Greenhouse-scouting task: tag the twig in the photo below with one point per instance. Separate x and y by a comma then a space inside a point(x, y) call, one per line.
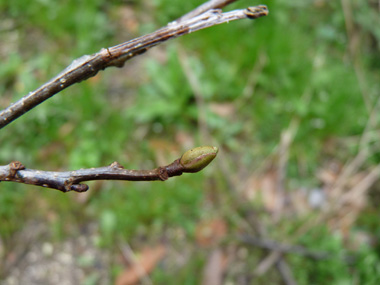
point(354, 51)
point(355, 164)
point(267, 263)
point(131, 257)
point(193, 160)
point(89, 65)
point(252, 81)
point(287, 137)
point(285, 248)
point(361, 187)
point(195, 86)
point(278, 249)
point(285, 272)
point(21, 244)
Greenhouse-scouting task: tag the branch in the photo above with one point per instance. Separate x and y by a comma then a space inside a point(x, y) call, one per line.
point(281, 248)
point(285, 248)
point(191, 161)
point(89, 65)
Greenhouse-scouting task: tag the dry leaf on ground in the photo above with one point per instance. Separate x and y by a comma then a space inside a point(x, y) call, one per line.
point(143, 266)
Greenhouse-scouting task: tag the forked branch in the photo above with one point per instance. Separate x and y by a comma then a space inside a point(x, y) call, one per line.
point(89, 65)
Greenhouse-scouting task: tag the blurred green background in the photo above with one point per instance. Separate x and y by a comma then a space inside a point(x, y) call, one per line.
point(291, 100)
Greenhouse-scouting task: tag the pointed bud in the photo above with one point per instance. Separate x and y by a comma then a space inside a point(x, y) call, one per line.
point(198, 158)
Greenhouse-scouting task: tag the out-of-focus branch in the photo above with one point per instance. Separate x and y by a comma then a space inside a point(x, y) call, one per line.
point(284, 248)
point(89, 65)
point(278, 249)
point(191, 161)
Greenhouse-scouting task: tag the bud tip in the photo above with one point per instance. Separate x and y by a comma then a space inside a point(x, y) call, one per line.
point(198, 158)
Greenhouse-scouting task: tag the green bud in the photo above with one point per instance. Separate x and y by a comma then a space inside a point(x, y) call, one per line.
point(198, 158)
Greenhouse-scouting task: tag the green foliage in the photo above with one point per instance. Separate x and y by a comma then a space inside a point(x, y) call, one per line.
point(333, 270)
point(367, 267)
point(165, 99)
point(184, 276)
point(127, 209)
point(341, 267)
point(12, 209)
point(82, 23)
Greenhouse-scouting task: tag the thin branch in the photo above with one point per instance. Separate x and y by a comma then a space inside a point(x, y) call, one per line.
point(89, 65)
point(195, 86)
point(278, 249)
point(285, 248)
point(191, 161)
point(286, 272)
point(270, 260)
point(209, 5)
